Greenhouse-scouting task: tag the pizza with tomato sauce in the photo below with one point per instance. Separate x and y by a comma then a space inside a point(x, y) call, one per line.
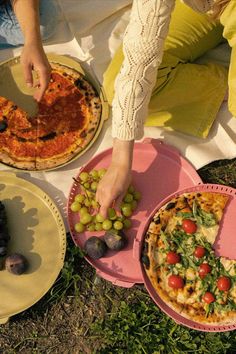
point(67, 120)
point(180, 261)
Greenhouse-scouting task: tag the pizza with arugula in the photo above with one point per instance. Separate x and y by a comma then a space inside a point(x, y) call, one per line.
point(180, 261)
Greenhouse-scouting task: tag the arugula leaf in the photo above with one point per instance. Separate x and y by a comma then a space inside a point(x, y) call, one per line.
point(185, 215)
point(203, 218)
point(209, 309)
point(164, 239)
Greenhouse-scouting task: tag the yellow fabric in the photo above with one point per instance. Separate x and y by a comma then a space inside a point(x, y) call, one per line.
point(228, 19)
point(186, 96)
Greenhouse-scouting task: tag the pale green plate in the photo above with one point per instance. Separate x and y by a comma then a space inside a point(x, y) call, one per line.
point(37, 231)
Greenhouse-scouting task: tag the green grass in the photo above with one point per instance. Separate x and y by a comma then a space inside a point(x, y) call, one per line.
point(140, 327)
point(69, 276)
point(220, 172)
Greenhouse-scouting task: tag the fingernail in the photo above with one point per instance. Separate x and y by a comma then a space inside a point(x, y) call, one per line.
point(29, 84)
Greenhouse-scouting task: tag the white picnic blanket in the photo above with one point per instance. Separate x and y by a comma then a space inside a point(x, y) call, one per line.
point(91, 30)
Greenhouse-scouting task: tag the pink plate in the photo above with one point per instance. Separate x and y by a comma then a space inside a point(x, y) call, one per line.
point(158, 170)
point(225, 245)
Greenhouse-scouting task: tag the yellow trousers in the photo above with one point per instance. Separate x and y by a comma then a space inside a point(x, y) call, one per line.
point(187, 95)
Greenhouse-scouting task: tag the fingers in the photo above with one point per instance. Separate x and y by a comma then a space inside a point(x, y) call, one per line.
point(119, 200)
point(42, 84)
point(112, 187)
point(34, 59)
point(27, 70)
point(105, 200)
point(108, 202)
point(104, 210)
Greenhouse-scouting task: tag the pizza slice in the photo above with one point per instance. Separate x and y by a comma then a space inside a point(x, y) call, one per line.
point(180, 261)
point(17, 136)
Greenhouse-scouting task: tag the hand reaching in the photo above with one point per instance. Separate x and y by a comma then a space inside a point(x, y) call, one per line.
point(113, 187)
point(34, 58)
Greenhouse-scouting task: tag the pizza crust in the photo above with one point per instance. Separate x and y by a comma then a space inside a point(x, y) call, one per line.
point(8, 160)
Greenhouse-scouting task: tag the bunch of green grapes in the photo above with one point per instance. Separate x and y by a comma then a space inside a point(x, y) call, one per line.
point(87, 207)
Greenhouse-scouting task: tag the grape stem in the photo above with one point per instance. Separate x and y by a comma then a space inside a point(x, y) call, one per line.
point(82, 185)
point(84, 189)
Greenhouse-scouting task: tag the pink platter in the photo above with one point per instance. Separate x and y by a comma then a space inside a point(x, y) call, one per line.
point(158, 171)
point(225, 246)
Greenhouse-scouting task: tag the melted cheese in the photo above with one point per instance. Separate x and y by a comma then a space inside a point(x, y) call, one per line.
point(173, 221)
point(228, 265)
point(209, 233)
point(190, 274)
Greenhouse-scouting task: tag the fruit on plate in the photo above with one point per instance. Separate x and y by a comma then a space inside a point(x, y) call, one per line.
point(16, 263)
point(95, 247)
point(116, 241)
point(87, 208)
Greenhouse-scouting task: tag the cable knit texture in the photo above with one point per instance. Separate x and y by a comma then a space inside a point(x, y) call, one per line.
point(143, 49)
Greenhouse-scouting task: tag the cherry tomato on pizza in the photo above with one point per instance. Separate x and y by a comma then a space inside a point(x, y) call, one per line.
point(175, 281)
point(189, 226)
point(208, 297)
point(223, 283)
point(199, 252)
point(204, 269)
point(172, 257)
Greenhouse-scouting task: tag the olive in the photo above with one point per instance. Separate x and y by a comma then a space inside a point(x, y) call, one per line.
point(3, 251)
point(115, 240)
point(3, 126)
point(16, 264)
point(95, 247)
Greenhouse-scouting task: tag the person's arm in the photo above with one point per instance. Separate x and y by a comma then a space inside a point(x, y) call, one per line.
point(33, 56)
point(143, 49)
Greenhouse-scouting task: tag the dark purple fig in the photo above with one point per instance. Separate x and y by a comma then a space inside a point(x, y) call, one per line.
point(1, 263)
point(4, 236)
point(3, 242)
point(115, 240)
point(16, 264)
point(3, 251)
point(95, 247)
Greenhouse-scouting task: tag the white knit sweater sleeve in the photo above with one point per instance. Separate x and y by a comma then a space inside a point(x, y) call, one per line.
point(143, 49)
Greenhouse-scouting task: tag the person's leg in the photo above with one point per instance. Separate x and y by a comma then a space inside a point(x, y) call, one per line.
point(8, 25)
point(187, 96)
point(180, 86)
point(190, 99)
point(191, 34)
point(10, 32)
point(49, 16)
